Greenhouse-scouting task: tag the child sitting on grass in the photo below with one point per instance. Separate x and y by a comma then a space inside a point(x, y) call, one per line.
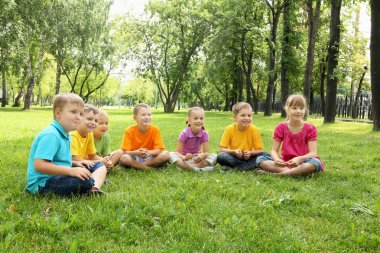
point(142, 142)
point(82, 146)
point(298, 142)
point(188, 155)
point(241, 142)
point(102, 139)
point(50, 165)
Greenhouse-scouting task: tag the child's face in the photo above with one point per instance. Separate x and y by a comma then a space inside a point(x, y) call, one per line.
point(143, 117)
point(102, 127)
point(296, 112)
point(69, 116)
point(243, 118)
point(196, 120)
point(88, 122)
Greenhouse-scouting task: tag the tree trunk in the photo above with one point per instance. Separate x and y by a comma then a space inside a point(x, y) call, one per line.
point(272, 59)
point(355, 105)
point(313, 20)
point(58, 78)
point(4, 88)
point(332, 62)
point(285, 56)
point(322, 86)
point(375, 63)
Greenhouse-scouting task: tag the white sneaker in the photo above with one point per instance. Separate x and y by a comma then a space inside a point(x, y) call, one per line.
point(207, 168)
point(196, 169)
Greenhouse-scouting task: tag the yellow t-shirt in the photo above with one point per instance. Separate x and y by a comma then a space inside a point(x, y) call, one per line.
point(134, 139)
point(82, 146)
point(249, 139)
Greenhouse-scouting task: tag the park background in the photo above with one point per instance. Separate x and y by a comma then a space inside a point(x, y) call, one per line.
point(173, 55)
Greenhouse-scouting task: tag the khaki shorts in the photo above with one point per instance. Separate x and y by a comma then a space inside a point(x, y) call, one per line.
point(174, 157)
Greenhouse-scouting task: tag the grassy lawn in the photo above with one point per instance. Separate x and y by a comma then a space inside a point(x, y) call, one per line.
point(170, 210)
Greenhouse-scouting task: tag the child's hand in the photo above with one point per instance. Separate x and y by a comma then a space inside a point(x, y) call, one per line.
point(86, 163)
point(246, 154)
point(143, 152)
point(238, 153)
point(199, 157)
point(107, 162)
point(294, 162)
point(188, 156)
point(280, 163)
point(80, 172)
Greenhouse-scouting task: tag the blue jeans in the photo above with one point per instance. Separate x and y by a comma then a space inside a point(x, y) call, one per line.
point(68, 186)
point(229, 160)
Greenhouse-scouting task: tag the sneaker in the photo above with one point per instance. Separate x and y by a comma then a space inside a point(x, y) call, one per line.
point(207, 168)
point(196, 169)
point(95, 191)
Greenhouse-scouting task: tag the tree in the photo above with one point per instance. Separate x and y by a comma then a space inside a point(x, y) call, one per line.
point(313, 23)
point(332, 62)
point(375, 63)
point(275, 8)
point(171, 37)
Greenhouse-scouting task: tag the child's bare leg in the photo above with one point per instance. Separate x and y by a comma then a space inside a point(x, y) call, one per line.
point(271, 166)
point(115, 157)
point(160, 159)
point(301, 170)
point(128, 161)
point(183, 165)
point(99, 176)
point(202, 164)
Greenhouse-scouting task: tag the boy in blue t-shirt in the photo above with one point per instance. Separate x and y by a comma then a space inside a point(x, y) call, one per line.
point(50, 162)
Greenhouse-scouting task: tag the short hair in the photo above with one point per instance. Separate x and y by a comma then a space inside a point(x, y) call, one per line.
point(102, 112)
point(295, 100)
point(137, 108)
point(239, 106)
point(90, 108)
point(62, 99)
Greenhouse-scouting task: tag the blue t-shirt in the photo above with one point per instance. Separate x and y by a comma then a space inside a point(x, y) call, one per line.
point(51, 144)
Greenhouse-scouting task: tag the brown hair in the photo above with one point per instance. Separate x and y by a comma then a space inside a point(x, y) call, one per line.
point(195, 108)
point(296, 100)
point(62, 99)
point(90, 108)
point(241, 105)
point(137, 108)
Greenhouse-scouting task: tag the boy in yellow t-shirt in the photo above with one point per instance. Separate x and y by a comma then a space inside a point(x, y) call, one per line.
point(241, 142)
point(142, 142)
point(83, 148)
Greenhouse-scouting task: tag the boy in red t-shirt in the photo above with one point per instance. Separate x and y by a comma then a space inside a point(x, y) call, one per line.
point(142, 143)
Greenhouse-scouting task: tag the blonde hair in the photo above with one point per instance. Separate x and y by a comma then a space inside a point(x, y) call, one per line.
point(239, 106)
point(102, 112)
point(296, 100)
point(137, 108)
point(62, 99)
point(195, 108)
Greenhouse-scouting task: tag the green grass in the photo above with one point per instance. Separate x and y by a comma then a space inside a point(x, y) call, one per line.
point(170, 210)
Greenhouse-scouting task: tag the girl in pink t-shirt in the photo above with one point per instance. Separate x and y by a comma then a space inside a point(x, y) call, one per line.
point(192, 139)
point(298, 142)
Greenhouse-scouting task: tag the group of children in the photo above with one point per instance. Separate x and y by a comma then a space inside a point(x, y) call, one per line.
point(73, 155)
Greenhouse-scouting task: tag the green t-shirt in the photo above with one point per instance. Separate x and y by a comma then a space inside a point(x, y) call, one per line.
point(103, 146)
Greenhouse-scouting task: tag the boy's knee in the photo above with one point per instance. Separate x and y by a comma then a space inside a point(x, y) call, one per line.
point(222, 156)
point(165, 155)
point(125, 159)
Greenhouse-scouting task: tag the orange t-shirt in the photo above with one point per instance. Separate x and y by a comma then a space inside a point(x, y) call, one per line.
point(134, 139)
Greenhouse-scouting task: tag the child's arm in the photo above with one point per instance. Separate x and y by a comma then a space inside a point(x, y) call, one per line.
point(179, 152)
point(46, 167)
point(203, 155)
point(274, 153)
point(236, 152)
point(312, 145)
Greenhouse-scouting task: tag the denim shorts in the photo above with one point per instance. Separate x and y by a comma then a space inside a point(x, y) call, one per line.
point(96, 166)
point(316, 162)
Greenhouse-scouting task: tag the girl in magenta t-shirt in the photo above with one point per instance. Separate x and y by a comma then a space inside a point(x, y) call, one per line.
point(298, 142)
point(192, 139)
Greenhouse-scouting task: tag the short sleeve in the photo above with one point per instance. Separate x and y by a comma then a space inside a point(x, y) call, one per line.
point(107, 145)
point(182, 137)
point(278, 134)
point(47, 148)
point(205, 136)
point(126, 143)
point(312, 133)
point(91, 145)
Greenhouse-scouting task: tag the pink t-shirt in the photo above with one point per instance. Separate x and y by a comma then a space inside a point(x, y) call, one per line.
point(294, 145)
point(192, 143)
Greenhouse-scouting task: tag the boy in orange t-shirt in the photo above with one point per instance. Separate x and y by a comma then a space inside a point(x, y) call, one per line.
point(142, 143)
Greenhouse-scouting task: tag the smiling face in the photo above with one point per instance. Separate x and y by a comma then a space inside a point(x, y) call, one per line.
point(87, 123)
point(196, 120)
point(243, 118)
point(143, 117)
point(69, 116)
point(296, 112)
point(102, 127)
